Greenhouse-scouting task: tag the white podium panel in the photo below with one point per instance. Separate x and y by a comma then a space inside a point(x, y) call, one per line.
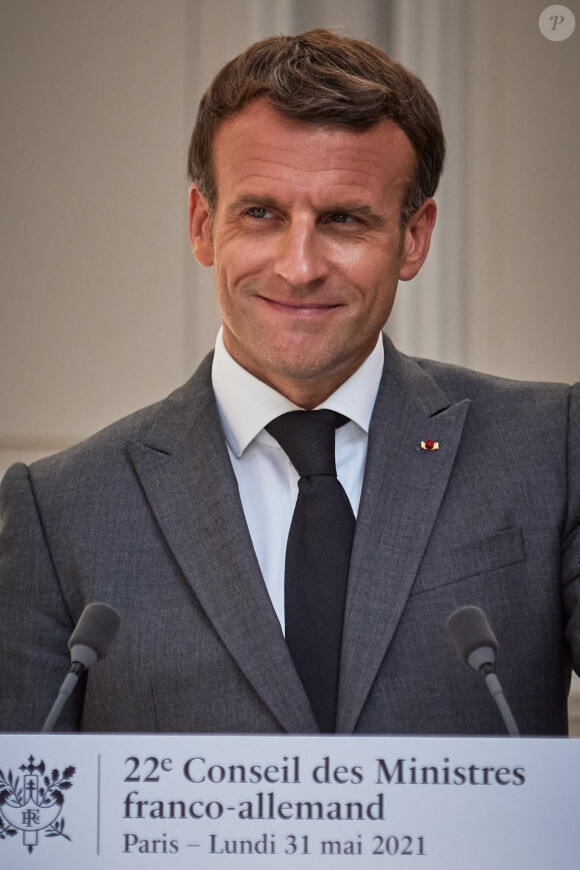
point(133, 802)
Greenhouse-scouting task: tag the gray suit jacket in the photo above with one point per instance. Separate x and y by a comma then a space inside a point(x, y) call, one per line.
point(146, 516)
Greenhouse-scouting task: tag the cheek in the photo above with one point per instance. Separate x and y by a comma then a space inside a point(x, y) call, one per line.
point(379, 287)
point(240, 261)
point(374, 276)
point(367, 264)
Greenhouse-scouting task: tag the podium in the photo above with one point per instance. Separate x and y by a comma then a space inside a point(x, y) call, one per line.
point(207, 802)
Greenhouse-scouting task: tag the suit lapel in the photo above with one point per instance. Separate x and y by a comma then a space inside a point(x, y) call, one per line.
point(402, 491)
point(184, 468)
point(187, 477)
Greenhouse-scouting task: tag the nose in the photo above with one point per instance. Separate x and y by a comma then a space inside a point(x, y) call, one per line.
point(300, 258)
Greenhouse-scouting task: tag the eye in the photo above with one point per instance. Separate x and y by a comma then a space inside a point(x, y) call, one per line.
point(259, 213)
point(341, 217)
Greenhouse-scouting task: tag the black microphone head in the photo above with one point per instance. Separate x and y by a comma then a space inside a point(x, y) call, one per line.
point(97, 628)
point(469, 630)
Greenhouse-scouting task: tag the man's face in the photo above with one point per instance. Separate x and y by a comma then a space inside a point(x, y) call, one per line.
point(306, 244)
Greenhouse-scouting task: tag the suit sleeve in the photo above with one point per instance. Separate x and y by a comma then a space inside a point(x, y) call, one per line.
point(571, 541)
point(35, 622)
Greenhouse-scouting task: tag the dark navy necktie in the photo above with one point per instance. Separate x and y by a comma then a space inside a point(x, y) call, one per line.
point(317, 556)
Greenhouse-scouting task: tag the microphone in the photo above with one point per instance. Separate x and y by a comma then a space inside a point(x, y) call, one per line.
point(90, 641)
point(477, 646)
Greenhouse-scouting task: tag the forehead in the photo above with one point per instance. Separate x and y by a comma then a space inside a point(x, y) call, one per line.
point(259, 147)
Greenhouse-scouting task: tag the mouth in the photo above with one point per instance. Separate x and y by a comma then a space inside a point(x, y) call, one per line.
point(301, 307)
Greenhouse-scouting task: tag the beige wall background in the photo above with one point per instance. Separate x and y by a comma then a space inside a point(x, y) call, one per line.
point(102, 309)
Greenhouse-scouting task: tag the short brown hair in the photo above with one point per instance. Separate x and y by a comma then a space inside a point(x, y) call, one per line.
point(325, 78)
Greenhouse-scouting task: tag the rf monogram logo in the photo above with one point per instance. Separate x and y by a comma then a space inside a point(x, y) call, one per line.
point(32, 803)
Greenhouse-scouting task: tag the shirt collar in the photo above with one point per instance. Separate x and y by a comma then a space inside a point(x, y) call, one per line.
point(246, 404)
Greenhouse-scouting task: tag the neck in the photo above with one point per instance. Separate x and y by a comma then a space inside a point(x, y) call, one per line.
point(305, 391)
point(307, 396)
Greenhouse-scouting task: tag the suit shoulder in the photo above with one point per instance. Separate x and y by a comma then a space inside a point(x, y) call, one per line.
point(462, 383)
point(521, 408)
point(164, 421)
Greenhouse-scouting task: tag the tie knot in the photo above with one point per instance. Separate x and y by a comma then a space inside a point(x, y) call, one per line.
point(307, 437)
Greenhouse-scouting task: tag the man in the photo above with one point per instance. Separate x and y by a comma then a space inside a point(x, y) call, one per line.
point(314, 162)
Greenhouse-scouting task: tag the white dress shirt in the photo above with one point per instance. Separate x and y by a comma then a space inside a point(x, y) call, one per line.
point(267, 480)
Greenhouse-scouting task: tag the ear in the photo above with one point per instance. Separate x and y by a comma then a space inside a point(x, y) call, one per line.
point(200, 227)
point(417, 239)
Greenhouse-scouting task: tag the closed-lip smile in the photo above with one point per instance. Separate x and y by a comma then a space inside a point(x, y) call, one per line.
point(300, 305)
